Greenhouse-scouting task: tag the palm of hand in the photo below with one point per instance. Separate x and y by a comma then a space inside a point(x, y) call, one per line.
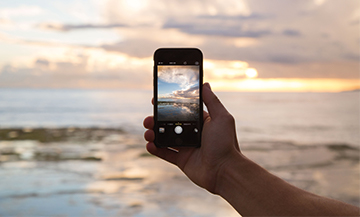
point(202, 165)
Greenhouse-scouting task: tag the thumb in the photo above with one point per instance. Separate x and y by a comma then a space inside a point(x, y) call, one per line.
point(212, 102)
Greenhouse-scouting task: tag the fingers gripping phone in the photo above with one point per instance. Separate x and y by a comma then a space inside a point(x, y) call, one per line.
point(178, 107)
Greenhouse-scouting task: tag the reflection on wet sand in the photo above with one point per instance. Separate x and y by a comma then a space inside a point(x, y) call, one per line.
point(114, 175)
point(59, 178)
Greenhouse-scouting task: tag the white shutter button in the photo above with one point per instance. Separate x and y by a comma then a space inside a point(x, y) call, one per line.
point(178, 129)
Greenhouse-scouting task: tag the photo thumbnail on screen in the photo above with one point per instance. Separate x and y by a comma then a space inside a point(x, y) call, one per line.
point(178, 93)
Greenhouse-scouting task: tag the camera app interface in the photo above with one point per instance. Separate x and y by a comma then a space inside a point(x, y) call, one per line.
point(178, 106)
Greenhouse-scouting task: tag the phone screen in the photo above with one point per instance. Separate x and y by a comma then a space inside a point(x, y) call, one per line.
point(178, 103)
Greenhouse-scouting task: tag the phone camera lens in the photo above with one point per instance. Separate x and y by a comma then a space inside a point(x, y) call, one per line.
point(196, 63)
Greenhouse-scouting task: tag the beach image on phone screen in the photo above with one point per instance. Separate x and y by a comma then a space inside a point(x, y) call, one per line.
point(178, 93)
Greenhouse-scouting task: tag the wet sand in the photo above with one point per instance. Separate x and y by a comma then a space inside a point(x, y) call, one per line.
point(107, 172)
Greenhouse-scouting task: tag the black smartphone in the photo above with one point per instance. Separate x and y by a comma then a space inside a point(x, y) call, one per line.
point(178, 106)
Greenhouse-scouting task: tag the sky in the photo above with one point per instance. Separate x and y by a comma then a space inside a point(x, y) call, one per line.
point(178, 82)
point(248, 45)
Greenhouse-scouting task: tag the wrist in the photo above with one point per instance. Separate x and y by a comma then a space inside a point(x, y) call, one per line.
point(252, 190)
point(243, 183)
point(234, 162)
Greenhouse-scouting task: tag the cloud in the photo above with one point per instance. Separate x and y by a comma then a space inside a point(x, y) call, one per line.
point(352, 56)
point(355, 22)
point(4, 21)
point(43, 62)
point(285, 31)
point(134, 47)
point(191, 93)
point(185, 76)
point(220, 25)
point(23, 10)
point(213, 27)
point(279, 38)
point(78, 68)
point(137, 12)
point(319, 2)
point(291, 33)
point(70, 75)
point(236, 17)
point(344, 69)
point(68, 27)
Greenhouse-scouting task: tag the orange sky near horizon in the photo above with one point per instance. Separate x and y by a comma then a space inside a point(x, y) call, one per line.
point(287, 85)
point(226, 77)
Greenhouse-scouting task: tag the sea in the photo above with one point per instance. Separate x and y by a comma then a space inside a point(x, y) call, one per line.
point(303, 118)
point(75, 152)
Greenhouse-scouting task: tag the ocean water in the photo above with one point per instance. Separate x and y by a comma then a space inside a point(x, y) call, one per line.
point(81, 152)
point(302, 118)
point(77, 108)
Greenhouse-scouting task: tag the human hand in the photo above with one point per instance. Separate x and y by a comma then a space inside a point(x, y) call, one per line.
point(218, 145)
point(219, 167)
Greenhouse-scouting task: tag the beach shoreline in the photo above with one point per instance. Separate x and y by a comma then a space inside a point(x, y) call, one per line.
point(98, 171)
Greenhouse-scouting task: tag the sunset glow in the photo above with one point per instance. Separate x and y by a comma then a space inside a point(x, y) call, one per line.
point(247, 45)
point(251, 73)
point(286, 85)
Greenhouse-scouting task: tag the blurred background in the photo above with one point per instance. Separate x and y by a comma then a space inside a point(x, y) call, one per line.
point(76, 83)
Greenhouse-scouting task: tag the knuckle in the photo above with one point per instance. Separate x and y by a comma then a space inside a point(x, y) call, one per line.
point(229, 118)
point(145, 133)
